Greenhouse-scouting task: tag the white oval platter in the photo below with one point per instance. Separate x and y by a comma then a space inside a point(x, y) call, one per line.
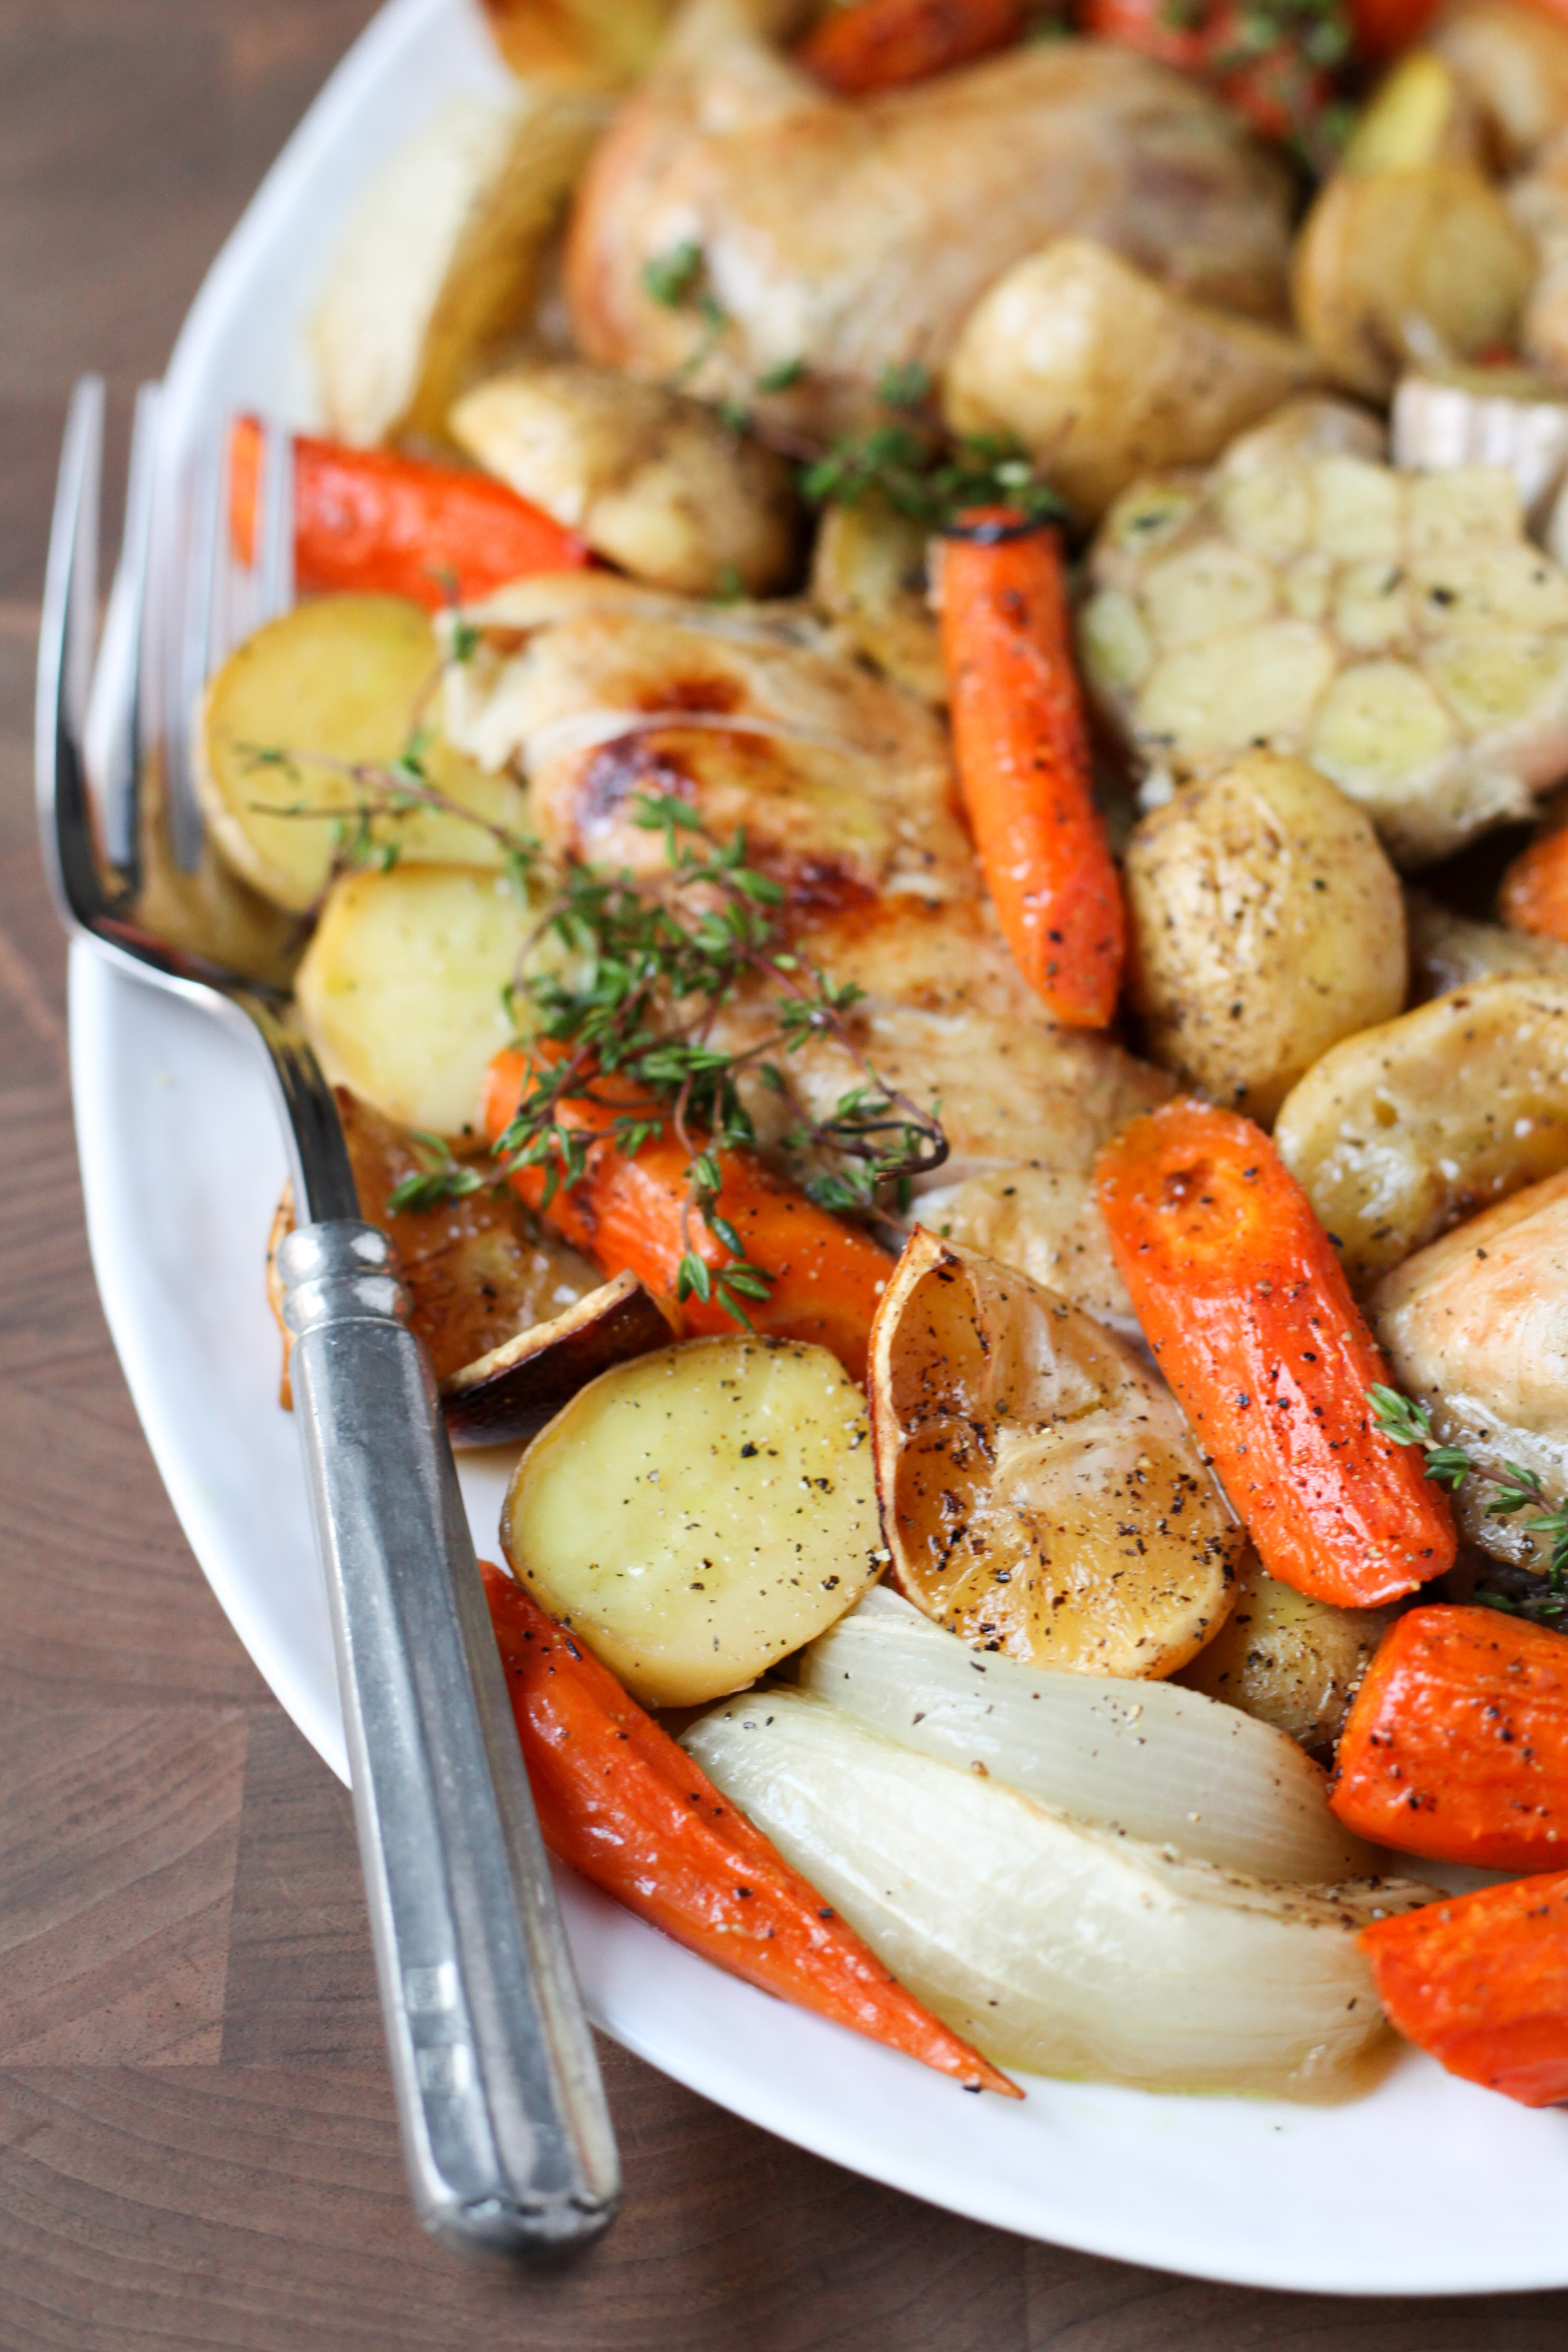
point(1425, 2186)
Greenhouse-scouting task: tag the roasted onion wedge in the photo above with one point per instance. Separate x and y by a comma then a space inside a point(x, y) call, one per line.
point(1148, 1760)
point(513, 1391)
point(1051, 1945)
point(1042, 1494)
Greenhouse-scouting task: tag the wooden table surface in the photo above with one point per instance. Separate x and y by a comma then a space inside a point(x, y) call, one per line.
point(196, 2140)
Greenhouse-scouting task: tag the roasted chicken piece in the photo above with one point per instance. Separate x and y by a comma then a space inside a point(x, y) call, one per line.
point(840, 236)
point(1476, 1326)
point(945, 1018)
point(602, 694)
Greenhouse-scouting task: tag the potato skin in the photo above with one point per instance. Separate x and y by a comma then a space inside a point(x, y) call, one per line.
point(1106, 374)
point(1383, 248)
point(1268, 924)
point(656, 482)
point(1287, 1659)
point(1399, 1133)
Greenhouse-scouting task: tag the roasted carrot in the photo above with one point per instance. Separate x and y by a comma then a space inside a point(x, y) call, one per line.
point(1481, 1983)
point(1383, 28)
point(1457, 1745)
point(1250, 1315)
point(1534, 892)
point(367, 519)
point(626, 1215)
point(621, 1803)
point(878, 44)
point(1022, 756)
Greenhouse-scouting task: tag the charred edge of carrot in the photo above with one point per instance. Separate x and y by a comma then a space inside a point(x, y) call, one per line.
point(1247, 1309)
point(1021, 750)
point(621, 1802)
point(1456, 1747)
point(882, 43)
point(626, 1216)
point(1481, 1983)
point(1534, 892)
point(370, 520)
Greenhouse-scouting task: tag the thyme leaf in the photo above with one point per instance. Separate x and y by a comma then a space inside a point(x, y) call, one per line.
point(902, 468)
point(1409, 1422)
point(441, 1177)
point(631, 1008)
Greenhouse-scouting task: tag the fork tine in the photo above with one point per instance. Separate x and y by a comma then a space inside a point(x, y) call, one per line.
point(275, 548)
point(66, 637)
point(113, 728)
point(193, 580)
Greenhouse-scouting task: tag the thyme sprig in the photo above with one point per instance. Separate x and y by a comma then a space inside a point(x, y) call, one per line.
point(908, 472)
point(677, 281)
point(632, 1012)
point(1409, 1422)
point(390, 788)
point(439, 1178)
point(633, 1007)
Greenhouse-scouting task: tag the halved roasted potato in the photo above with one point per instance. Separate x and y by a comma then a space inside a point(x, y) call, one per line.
point(1104, 373)
point(579, 44)
point(868, 573)
point(1394, 264)
point(658, 483)
point(337, 685)
point(402, 989)
point(442, 256)
point(509, 1392)
point(697, 1514)
point(1288, 1660)
point(1399, 1133)
point(1267, 925)
point(1042, 1494)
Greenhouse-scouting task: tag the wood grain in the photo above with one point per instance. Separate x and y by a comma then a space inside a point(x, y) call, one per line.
point(197, 2151)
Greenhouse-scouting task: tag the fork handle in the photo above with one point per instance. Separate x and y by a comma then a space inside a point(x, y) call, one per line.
point(505, 2127)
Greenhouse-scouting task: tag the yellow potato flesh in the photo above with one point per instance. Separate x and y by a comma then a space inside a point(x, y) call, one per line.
point(401, 989)
point(1399, 1133)
point(336, 684)
point(1041, 1493)
point(1390, 262)
point(697, 1514)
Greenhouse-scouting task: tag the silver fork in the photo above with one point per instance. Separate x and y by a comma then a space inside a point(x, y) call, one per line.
point(505, 2129)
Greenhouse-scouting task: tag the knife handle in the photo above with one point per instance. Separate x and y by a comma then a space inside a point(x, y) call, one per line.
point(505, 2126)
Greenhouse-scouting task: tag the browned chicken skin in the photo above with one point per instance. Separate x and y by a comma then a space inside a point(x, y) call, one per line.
point(600, 692)
point(850, 235)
